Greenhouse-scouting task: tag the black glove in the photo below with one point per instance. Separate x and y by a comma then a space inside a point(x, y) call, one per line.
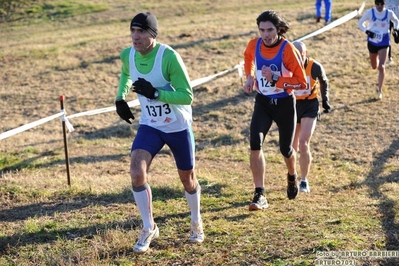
point(370, 34)
point(123, 110)
point(395, 34)
point(143, 87)
point(326, 106)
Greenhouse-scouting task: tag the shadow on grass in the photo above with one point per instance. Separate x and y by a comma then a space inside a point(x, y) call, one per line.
point(8, 243)
point(30, 162)
point(374, 180)
point(65, 204)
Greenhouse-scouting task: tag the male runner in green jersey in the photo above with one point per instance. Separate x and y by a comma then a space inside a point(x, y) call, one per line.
point(158, 75)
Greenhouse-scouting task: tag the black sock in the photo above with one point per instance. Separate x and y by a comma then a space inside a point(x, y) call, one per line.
point(291, 177)
point(260, 190)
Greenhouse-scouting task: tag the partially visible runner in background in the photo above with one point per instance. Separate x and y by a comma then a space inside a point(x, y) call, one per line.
point(307, 109)
point(394, 6)
point(375, 23)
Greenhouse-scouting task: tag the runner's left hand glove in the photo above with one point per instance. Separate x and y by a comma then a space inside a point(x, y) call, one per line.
point(143, 87)
point(395, 34)
point(326, 106)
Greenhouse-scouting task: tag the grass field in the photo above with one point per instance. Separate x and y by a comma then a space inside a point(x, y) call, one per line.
point(72, 49)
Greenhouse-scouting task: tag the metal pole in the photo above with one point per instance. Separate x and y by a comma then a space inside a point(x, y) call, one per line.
point(65, 141)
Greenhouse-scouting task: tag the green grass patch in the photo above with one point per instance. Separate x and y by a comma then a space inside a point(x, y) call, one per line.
point(63, 9)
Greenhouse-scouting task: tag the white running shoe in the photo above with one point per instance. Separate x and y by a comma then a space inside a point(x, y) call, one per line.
point(258, 203)
point(379, 94)
point(197, 232)
point(304, 186)
point(390, 61)
point(146, 236)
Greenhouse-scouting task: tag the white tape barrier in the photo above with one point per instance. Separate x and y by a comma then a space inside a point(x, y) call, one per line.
point(64, 118)
point(102, 110)
point(29, 126)
point(335, 23)
point(194, 83)
point(95, 112)
point(203, 80)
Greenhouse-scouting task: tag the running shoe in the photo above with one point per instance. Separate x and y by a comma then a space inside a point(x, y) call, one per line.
point(379, 94)
point(258, 203)
point(146, 236)
point(304, 186)
point(197, 232)
point(292, 186)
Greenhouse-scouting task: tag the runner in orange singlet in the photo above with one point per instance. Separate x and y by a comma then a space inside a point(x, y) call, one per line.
point(273, 68)
point(307, 108)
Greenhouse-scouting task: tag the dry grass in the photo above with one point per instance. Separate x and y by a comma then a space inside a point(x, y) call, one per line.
point(354, 177)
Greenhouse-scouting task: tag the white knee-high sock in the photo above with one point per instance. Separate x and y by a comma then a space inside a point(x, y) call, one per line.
point(143, 198)
point(193, 199)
